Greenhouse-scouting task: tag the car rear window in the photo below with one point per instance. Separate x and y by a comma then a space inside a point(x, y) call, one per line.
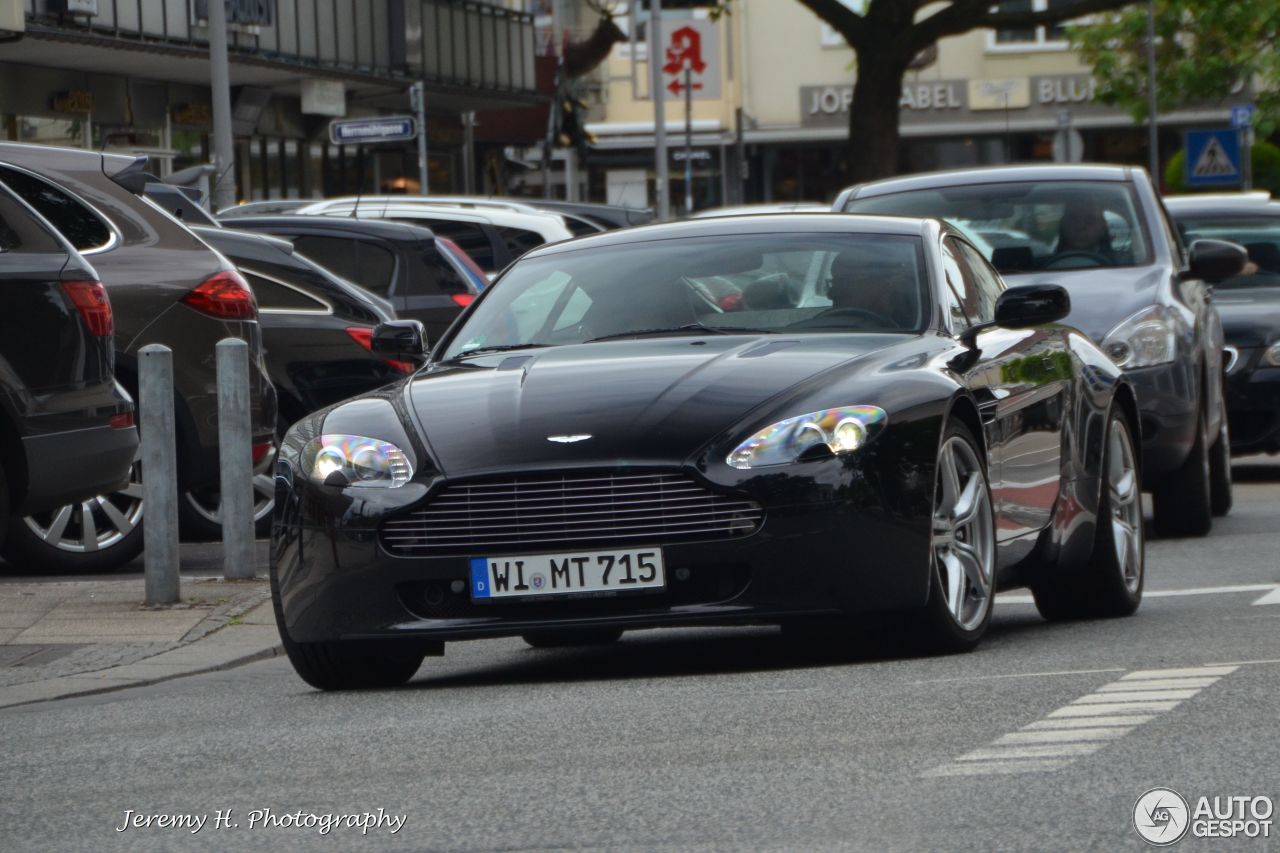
point(277, 296)
point(469, 236)
point(369, 265)
point(81, 226)
point(519, 240)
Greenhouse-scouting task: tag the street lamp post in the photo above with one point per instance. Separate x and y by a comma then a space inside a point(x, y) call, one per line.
point(224, 185)
point(1153, 136)
point(661, 166)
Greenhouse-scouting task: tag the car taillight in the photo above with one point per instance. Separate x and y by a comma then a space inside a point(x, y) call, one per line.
point(363, 335)
point(90, 299)
point(462, 300)
point(260, 450)
point(124, 420)
point(225, 295)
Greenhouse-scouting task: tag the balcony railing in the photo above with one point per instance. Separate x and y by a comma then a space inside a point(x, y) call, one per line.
point(459, 42)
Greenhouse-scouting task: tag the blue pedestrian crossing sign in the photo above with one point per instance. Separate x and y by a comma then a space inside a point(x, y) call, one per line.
point(1213, 158)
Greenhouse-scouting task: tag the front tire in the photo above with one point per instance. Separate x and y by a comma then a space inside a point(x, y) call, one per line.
point(1182, 504)
point(1111, 584)
point(348, 664)
point(961, 547)
point(1220, 499)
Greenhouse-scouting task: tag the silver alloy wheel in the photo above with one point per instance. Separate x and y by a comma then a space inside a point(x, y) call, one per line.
point(208, 502)
point(1126, 505)
point(95, 524)
point(963, 541)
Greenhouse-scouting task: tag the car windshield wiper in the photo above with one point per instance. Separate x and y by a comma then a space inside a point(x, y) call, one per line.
point(675, 330)
point(498, 348)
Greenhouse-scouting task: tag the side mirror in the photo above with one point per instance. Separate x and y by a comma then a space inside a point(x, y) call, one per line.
point(399, 339)
point(1215, 260)
point(1032, 305)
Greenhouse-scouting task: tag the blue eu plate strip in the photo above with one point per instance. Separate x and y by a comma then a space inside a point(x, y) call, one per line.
point(479, 578)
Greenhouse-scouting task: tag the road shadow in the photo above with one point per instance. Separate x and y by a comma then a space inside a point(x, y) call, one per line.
point(659, 654)
point(1253, 472)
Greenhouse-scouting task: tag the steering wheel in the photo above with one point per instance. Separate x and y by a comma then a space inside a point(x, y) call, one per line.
point(1075, 254)
point(864, 317)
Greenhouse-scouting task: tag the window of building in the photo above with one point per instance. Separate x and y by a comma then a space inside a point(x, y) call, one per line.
point(81, 226)
point(371, 266)
point(1049, 37)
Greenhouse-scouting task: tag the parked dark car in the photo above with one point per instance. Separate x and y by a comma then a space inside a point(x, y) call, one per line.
point(166, 287)
point(316, 338)
point(66, 427)
point(1135, 290)
point(1249, 305)
point(606, 216)
point(598, 447)
point(265, 208)
point(395, 261)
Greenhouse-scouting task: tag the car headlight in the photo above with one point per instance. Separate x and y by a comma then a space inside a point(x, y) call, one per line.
point(1143, 340)
point(842, 430)
point(1271, 355)
point(359, 460)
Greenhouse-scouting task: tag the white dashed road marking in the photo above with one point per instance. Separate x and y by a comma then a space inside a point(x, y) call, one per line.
point(1272, 597)
point(1087, 724)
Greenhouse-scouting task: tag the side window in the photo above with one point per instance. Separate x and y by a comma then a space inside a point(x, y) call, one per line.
point(81, 226)
point(960, 301)
point(1174, 236)
point(470, 237)
point(987, 283)
point(519, 241)
point(274, 296)
point(366, 264)
point(437, 275)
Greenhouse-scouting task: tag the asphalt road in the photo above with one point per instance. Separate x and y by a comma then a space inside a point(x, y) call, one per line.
point(728, 739)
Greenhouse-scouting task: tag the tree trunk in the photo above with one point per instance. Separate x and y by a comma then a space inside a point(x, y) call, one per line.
point(873, 115)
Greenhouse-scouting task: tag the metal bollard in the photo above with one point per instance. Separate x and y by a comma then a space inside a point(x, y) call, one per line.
point(159, 474)
point(235, 452)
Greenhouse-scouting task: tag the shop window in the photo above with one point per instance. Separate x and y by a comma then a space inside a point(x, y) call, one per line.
point(1052, 37)
point(81, 226)
point(363, 263)
point(277, 296)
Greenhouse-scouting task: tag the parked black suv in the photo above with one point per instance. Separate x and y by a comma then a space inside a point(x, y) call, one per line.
point(166, 287)
point(66, 427)
point(1102, 233)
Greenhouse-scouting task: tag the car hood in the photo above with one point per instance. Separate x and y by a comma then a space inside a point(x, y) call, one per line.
point(638, 401)
point(1250, 318)
point(1100, 298)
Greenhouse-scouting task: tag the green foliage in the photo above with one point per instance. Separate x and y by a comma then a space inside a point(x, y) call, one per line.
point(1266, 170)
point(1205, 51)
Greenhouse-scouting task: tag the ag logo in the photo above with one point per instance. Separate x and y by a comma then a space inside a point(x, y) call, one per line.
point(1161, 817)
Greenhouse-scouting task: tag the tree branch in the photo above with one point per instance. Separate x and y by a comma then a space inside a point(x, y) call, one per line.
point(964, 15)
point(841, 18)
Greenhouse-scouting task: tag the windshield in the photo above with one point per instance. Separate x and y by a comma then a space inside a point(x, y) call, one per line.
point(759, 283)
point(1048, 225)
point(1260, 236)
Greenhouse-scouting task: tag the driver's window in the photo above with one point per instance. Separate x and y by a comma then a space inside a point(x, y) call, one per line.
point(987, 285)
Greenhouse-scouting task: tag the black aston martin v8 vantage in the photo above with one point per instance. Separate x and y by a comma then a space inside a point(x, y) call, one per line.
point(733, 421)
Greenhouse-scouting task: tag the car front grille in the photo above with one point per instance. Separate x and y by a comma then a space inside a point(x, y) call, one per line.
point(569, 511)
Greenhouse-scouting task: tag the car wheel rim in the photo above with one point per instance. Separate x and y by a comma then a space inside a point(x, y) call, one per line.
point(1126, 507)
point(95, 524)
point(963, 539)
point(207, 503)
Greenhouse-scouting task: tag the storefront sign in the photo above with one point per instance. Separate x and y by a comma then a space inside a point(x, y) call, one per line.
point(828, 106)
point(1065, 89)
point(73, 102)
point(1011, 94)
point(367, 130)
point(692, 59)
point(80, 7)
point(324, 98)
point(695, 155)
point(260, 13)
point(192, 115)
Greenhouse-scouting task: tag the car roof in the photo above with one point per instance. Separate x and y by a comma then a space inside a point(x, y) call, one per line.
point(451, 201)
point(725, 226)
point(398, 231)
point(749, 209)
point(990, 175)
point(1223, 204)
point(234, 236)
point(538, 221)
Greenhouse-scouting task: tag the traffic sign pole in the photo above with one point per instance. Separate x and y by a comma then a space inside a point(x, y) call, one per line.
point(688, 138)
point(658, 88)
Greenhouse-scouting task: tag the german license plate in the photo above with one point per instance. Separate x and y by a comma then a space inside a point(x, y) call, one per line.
point(560, 574)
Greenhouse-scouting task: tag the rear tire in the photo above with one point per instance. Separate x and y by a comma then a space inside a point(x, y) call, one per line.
point(1182, 504)
point(1111, 584)
point(1220, 471)
point(199, 511)
point(348, 664)
point(570, 637)
point(961, 547)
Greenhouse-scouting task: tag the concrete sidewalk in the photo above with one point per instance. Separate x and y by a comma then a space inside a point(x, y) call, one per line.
point(60, 639)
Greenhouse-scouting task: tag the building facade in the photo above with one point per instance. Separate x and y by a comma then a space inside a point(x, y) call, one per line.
point(773, 123)
point(132, 76)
